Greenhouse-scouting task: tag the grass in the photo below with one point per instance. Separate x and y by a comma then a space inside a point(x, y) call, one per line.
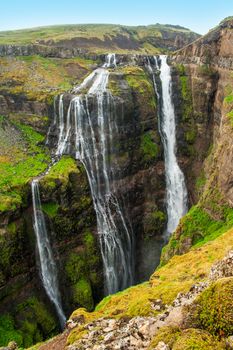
point(50, 209)
point(230, 116)
point(229, 99)
point(22, 158)
point(40, 78)
point(198, 227)
point(178, 275)
point(148, 146)
point(142, 38)
point(59, 172)
point(8, 332)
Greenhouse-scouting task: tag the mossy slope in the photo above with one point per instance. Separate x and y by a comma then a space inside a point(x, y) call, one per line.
point(178, 275)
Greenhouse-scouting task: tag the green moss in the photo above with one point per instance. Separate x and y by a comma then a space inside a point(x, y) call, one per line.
point(200, 182)
point(229, 99)
point(187, 105)
point(230, 116)
point(190, 136)
point(12, 262)
point(83, 294)
point(142, 88)
point(137, 79)
point(168, 335)
point(91, 256)
point(75, 267)
point(19, 164)
point(196, 339)
point(41, 78)
point(34, 321)
point(59, 173)
point(199, 228)
point(212, 310)
point(50, 209)
point(154, 222)
point(164, 284)
point(80, 269)
point(181, 69)
point(8, 332)
point(148, 147)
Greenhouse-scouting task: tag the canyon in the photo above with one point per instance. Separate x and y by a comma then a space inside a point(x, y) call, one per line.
point(133, 156)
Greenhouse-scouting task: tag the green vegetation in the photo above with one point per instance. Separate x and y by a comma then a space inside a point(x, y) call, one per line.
point(59, 173)
point(143, 39)
point(34, 321)
point(83, 294)
point(21, 158)
point(212, 310)
point(197, 228)
point(148, 147)
point(189, 339)
point(50, 209)
point(196, 339)
point(168, 335)
point(80, 270)
point(186, 94)
point(230, 116)
point(200, 183)
point(40, 78)
point(165, 284)
point(137, 79)
point(188, 121)
point(229, 99)
point(154, 222)
point(8, 332)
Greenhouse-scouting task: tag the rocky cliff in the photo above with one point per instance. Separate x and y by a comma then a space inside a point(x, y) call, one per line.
point(204, 73)
point(27, 105)
point(135, 318)
point(181, 307)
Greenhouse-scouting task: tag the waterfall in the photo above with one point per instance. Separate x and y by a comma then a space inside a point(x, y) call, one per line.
point(47, 263)
point(93, 126)
point(110, 61)
point(176, 192)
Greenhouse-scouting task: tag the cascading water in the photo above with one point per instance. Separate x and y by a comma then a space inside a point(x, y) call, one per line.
point(176, 192)
point(47, 263)
point(94, 125)
point(110, 60)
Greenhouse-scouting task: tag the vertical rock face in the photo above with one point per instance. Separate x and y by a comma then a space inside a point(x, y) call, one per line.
point(139, 183)
point(121, 161)
point(202, 75)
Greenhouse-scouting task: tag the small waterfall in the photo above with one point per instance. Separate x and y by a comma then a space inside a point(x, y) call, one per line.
point(176, 192)
point(110, 61)
point(94, 124)
point(47, 263)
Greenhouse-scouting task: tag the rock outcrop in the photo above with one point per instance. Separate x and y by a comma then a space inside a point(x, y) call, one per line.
point(203, 70)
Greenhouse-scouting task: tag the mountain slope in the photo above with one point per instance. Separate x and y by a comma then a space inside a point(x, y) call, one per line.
point(102, 38)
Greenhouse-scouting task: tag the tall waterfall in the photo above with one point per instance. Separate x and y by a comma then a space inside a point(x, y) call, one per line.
point(47, 263)
point(176, 192)
point(93, 119)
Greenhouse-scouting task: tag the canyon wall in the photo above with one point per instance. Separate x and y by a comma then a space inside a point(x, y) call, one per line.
point(203, 70)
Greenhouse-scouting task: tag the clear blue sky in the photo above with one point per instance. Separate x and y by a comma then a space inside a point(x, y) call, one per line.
point(198, 15)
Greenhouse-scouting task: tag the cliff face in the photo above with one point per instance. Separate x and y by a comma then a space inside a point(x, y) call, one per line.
point(65, 193)
point(203, 98)
point(204, 72)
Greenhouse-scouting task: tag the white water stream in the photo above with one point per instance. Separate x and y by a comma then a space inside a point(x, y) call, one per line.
point(48, 267)
point(176, 191)
point(94, 124)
